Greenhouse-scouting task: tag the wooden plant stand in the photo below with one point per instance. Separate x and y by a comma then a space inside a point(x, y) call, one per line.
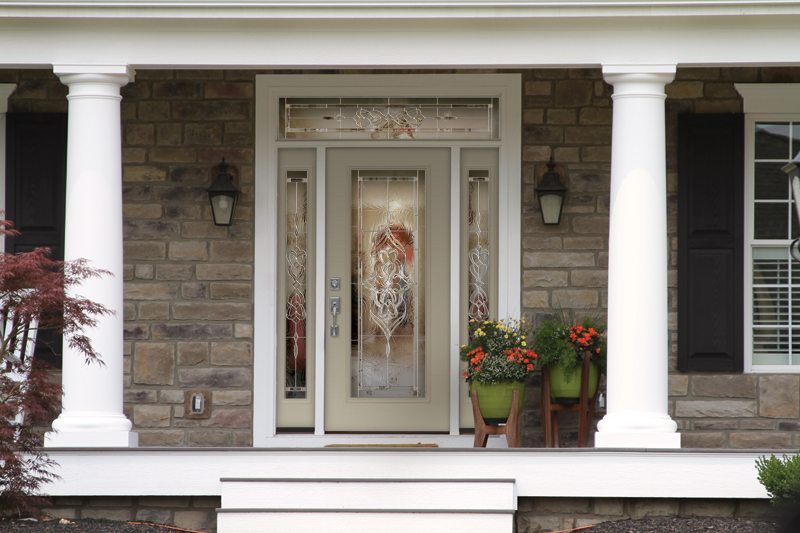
point(510, 429)
point(584, 407)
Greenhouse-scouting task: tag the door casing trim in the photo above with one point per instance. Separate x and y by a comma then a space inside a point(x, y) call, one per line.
point(269, 89)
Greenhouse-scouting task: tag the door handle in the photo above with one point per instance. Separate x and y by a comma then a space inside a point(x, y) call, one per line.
point(336, 308)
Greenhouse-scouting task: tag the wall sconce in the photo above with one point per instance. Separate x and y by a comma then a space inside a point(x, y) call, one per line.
point(550, 193)
point(792, 171)
point(223, 194)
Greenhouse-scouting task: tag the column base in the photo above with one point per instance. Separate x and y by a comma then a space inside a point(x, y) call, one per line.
point(91, 430)
point(637, 430)
point(91, 439)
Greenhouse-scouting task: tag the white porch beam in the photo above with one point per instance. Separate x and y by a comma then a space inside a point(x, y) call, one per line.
point(91, 413)
point(5, 92)
point(637, 264)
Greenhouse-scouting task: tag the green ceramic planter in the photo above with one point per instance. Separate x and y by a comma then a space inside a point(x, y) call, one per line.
point(495, 399)
point(566, 387)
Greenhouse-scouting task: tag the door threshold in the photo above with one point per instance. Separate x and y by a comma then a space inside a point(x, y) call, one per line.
point(361, 440)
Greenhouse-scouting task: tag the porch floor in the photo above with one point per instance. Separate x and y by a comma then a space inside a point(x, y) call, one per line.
point(573, 472)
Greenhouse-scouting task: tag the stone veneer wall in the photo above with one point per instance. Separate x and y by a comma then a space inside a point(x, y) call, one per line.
point(195, 513)
point(535, 515)
point(568, 113)
point(189, 290)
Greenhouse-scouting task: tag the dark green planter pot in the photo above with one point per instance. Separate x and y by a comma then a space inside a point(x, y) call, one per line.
point(567, 387)
point(495, 399)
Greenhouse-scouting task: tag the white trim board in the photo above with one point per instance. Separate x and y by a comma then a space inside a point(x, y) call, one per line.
point(537, 472)
point(269, 88)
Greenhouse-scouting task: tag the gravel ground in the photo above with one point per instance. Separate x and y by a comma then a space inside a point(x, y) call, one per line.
point(85, 526)
point(684, 525)
point(644, 525)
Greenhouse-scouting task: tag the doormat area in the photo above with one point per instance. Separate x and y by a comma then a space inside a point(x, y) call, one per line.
point(398, 445)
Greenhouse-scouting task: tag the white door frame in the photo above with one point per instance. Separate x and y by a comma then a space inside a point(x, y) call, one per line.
point(269, 89)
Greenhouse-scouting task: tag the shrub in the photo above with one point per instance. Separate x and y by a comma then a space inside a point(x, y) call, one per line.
point(35, 290)
point(781, 478)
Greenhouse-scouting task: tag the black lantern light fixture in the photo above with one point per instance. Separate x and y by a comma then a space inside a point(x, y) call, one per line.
point(792, 171)
point(550, 193)
point(223, 194)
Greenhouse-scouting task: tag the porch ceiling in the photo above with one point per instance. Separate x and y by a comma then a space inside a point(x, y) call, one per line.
point(537, 472)
point(341, 9)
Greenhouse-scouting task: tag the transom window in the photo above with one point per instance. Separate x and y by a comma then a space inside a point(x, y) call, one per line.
point(393, 119)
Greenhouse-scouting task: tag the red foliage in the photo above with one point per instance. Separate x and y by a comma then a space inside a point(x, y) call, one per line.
point(35, 290)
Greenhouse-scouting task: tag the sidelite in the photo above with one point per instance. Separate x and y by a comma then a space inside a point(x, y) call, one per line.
point(388, 338)
point(296, 268)
point(478, 244)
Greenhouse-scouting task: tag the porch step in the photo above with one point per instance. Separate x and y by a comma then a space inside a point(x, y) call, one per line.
point(366, 505)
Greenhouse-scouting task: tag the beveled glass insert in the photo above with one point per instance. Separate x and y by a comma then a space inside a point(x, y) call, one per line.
point(478, 244)
point(296, 283)
point(389, 118)
point(388, 337)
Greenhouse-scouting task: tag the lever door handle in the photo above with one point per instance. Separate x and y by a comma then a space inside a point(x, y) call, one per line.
point(336, 308)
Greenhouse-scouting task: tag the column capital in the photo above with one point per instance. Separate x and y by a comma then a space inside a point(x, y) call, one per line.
point(638, 80)
point(5, 92)
point(115, 74)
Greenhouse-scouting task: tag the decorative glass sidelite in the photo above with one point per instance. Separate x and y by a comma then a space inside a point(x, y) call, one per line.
point(296, 283)
point(775, 276)
point(478, 244)
point(389, 118)
point(388, 337)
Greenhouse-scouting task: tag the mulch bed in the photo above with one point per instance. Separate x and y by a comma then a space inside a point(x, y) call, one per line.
point(87, 526)
point(642, 525)
point(684, 525)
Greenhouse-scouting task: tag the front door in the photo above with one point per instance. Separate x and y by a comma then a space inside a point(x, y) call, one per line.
point(387, 265)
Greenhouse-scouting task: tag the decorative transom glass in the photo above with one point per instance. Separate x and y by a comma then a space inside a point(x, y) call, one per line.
point(775, 276)
point(389, 118)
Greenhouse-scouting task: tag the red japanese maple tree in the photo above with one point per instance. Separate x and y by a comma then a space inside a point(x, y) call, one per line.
point(36, 294)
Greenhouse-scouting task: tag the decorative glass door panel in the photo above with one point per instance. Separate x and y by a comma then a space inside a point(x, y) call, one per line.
point(388, 337)
point(387, 263)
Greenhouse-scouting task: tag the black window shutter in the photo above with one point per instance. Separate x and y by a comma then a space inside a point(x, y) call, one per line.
point(710, 243)
point(36, 175)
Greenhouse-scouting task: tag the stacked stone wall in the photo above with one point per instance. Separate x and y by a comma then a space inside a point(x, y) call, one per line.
point(192, 513)
point(189, 284)
point(568, 114)
point(540, 515)
point(534, 515)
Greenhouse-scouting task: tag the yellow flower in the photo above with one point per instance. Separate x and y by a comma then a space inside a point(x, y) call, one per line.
point(505, 337)
point(523, 343)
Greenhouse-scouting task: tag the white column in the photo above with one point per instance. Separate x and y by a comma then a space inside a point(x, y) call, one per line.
point(92, 414)
point(637, 414)
point(5, 91)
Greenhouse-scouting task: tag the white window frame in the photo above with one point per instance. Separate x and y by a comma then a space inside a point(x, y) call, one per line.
point(763, 102)
point(269, 89)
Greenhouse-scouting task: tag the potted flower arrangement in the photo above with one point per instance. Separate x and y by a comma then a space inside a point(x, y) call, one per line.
point(499, 361)
point(561, 346)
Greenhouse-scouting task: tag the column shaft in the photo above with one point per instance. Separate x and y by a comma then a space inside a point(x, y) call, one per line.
point(637, 266)
point(92, 404)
